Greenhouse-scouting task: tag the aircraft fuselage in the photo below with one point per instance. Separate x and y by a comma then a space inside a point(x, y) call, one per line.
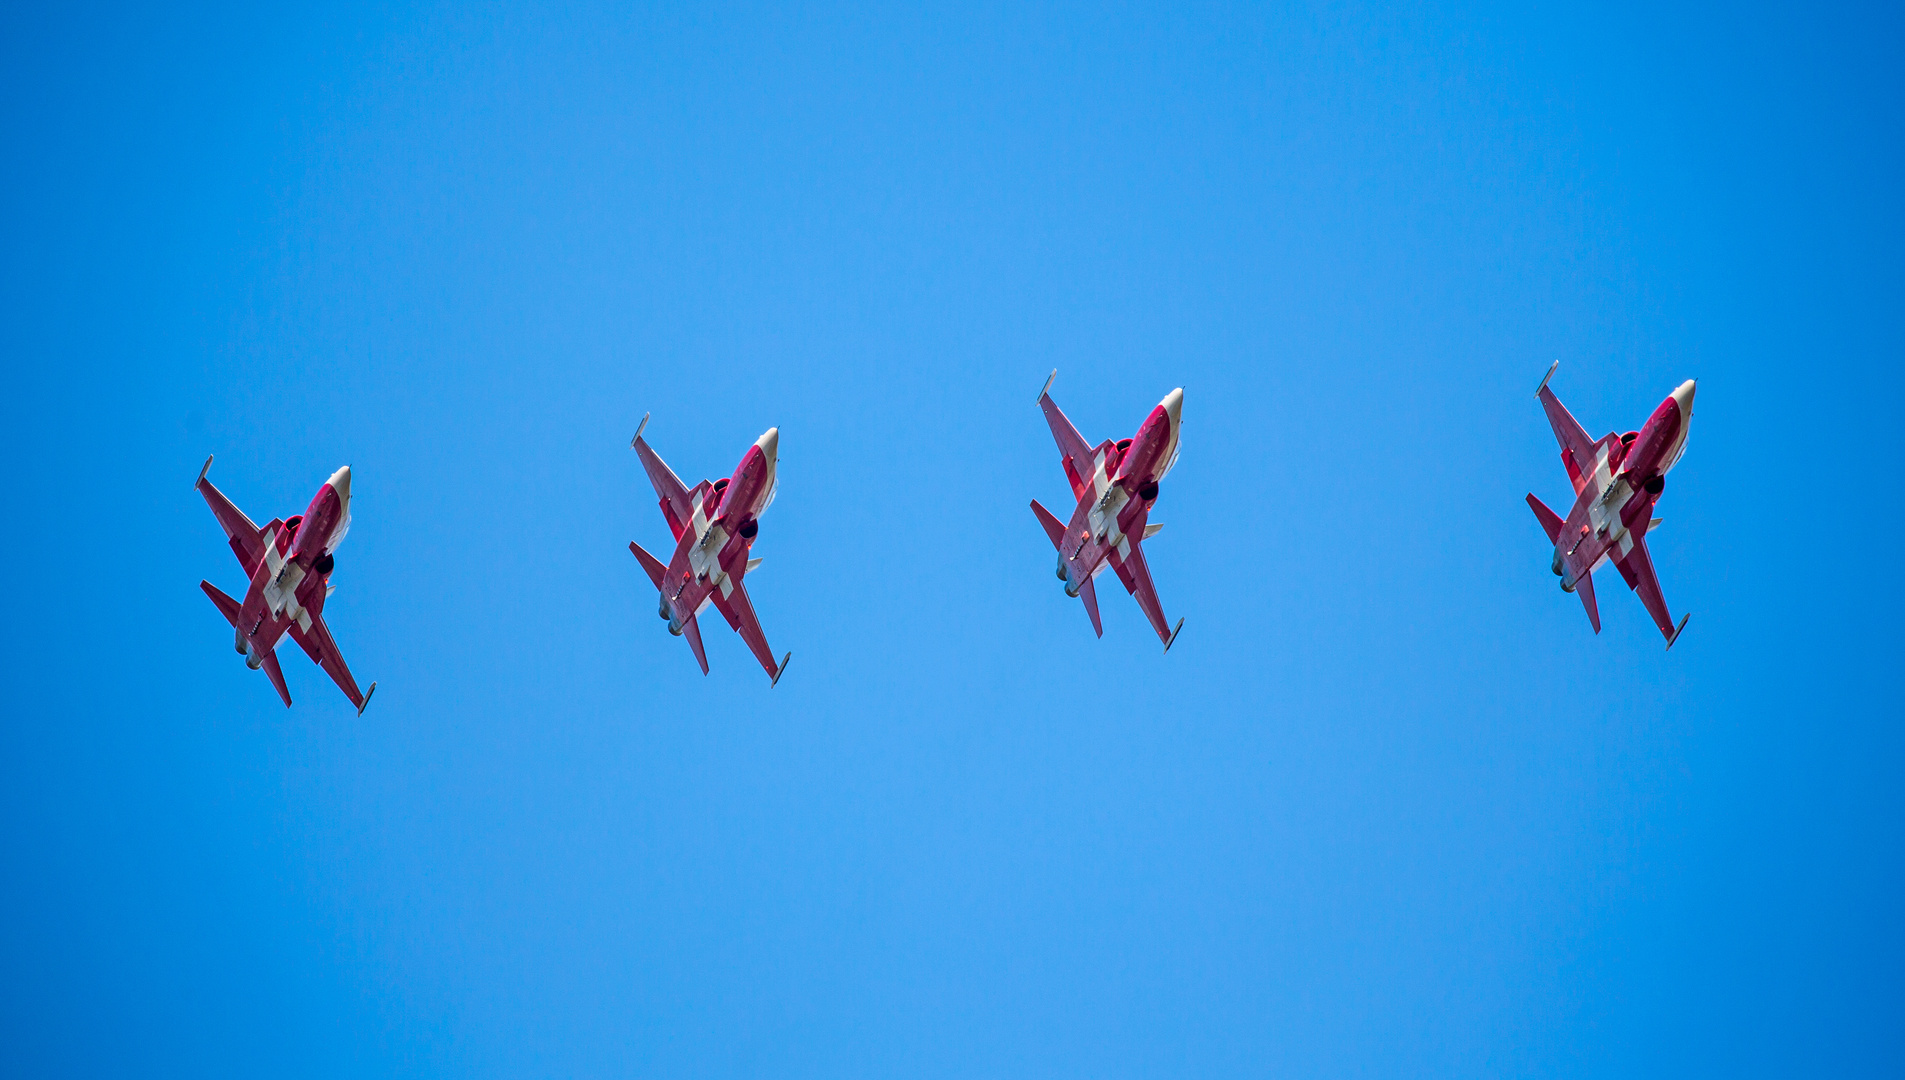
point(720, 530)
point(1618, 489)
point(1117, 497)
point(289, 583)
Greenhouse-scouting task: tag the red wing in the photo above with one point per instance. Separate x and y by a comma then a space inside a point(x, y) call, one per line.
point(317, 644)
point(1079, 466)
point(739, 611)
point(1137, 581)
point(676, 505)
point(1638, 569)
point(1577, 450)
point(247, 540)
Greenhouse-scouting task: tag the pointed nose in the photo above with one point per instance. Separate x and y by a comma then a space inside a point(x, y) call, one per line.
point(1683, 397)
point(341, 483)
point(1174, 404)
point(770, 444)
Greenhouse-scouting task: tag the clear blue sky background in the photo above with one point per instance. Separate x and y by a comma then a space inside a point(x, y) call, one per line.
point(1388, 809)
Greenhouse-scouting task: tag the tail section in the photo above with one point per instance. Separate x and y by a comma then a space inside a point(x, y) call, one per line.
point(276, 675)
point(1089, 595)
point(649, 563)
point(1053, 530)
point(226, 605)
point(692, 631)
point(1585, 588)
point(1550, 523)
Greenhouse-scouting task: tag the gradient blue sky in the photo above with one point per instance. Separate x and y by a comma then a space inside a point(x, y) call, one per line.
point(1388, 809)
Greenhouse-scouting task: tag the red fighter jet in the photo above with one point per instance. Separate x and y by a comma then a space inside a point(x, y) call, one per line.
point(289, 563)
point(1115, 485)
point(714, 526)
point(1616, 483)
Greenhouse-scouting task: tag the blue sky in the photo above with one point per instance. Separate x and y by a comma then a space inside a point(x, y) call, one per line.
point(1388, 808)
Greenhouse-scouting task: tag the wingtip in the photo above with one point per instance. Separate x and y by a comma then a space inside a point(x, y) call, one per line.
point(1545, 378)
point(1047, 388)
point(1175, 630)
point(781, 670)
point(367, 694)
point(1678, 629)
point(207, 467)
point(639, 428)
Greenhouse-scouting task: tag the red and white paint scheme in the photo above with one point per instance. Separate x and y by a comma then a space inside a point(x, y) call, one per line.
point(1617, 481)
point(714, 526)
point(289, 562)
point(1115, 484)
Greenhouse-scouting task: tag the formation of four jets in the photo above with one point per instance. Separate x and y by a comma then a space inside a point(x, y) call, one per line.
point(1617, 480)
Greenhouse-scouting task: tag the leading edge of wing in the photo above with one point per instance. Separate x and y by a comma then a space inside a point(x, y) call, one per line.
point(1136, 576)
point(738, 609)
point(240, 531)
point(675, 503)
point(318, 644)
point(1637, 569)
point(1568, 432)
point(1071, 445)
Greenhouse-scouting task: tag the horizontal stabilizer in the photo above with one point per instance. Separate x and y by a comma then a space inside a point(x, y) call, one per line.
point(1053, 530)
point(1584, 587)
point(1089, 594)
point(692, 631)
point(276, 675)
point(1152, 530)
point(754, 564)
point(226, 605)
point(654, 569)
point(1655, 524)
point(1550, 523)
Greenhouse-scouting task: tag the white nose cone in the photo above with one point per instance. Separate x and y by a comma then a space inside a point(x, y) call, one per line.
point(1174, 405)
point(341, 483)
point(1683, 397)
point(770, 444)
